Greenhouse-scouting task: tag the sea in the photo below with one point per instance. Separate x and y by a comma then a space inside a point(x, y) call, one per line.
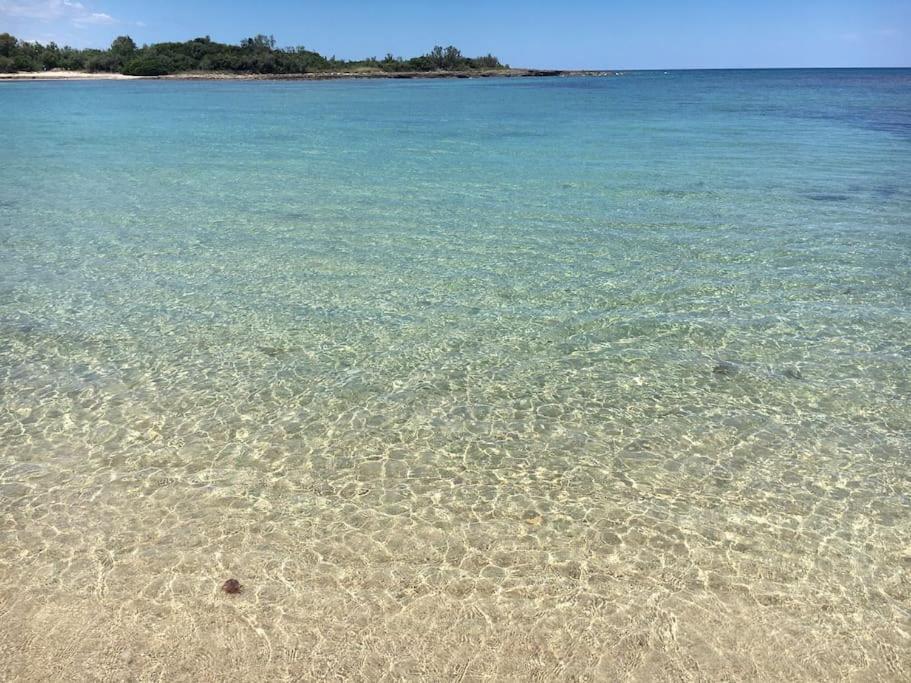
point(583, 378)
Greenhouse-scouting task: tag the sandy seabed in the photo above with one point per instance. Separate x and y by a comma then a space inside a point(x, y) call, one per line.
point(491, 421)
point(349, 591)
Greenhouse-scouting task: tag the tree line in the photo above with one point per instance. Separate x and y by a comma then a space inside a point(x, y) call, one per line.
point(257, 55)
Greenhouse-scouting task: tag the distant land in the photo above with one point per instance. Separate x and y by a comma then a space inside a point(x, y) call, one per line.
point(254, 58)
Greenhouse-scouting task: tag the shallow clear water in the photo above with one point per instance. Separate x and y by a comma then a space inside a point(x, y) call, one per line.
point(503, 378)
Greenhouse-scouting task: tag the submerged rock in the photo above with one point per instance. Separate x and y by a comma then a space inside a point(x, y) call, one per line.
point(535, 520)
point(725, 368)
point(232, 586)
point(828, 197)
point(793, 372)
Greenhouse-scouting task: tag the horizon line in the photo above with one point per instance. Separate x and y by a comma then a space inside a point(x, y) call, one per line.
point(735, 68)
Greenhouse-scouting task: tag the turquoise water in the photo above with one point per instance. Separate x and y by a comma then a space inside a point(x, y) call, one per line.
point(592, 377)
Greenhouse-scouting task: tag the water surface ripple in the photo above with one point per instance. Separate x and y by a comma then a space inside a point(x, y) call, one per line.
point(567, 378)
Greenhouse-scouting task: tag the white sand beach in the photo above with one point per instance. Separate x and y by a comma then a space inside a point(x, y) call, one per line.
point(60, 75)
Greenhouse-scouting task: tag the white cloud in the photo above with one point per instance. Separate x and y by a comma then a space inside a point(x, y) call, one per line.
point(95, 18)
point(54, 10)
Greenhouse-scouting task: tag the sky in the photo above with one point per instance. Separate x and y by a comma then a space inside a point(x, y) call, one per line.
point(584, 34)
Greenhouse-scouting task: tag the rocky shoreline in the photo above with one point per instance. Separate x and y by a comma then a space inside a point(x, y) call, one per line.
point(338, 75)
point(314, 76)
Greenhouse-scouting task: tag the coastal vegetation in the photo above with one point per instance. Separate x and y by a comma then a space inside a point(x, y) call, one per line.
point(256, 55)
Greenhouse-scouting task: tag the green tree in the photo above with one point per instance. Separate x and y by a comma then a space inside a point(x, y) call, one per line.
point(259, 42)
point(7, 45)
point(436, 57)
point(123, 47)
point(452, 58)
point(253, 55)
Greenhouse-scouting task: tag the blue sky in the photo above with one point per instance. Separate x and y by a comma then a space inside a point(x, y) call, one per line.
point(570, 34)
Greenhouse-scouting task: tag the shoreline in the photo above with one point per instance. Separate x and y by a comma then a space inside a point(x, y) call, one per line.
point(56, 75)
point(312, 76)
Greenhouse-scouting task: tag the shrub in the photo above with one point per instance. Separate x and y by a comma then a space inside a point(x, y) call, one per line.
point(103, 62)
point(147, 65)
point(25, 63)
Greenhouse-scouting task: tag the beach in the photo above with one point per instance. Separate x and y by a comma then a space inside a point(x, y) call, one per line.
point(61, 75)
point(467, 379)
